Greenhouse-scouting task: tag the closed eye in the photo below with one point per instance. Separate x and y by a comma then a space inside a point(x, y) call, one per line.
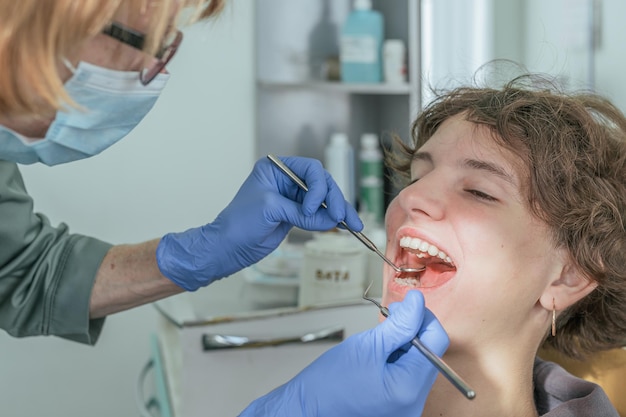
point(481, 195)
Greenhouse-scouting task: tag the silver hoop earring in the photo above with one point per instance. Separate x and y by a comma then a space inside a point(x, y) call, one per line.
point(553, 318)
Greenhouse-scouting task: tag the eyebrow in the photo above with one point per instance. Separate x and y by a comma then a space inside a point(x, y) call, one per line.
point(490, 168)
point(473, 164)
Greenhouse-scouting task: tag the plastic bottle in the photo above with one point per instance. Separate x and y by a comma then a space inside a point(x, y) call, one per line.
point(339, 162)
point(394, 65)
point(371, 184)
point(360, 49)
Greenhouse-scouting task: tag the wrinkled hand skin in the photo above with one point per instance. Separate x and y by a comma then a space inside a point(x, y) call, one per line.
point(255, 222)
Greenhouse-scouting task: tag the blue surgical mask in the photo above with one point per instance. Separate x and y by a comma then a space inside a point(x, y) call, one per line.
point(112, 104)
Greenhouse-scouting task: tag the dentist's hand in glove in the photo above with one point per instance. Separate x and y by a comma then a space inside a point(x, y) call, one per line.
point(255, 222)
point(374, 373)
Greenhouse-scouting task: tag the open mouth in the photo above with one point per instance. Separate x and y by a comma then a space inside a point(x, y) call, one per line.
point(417, 253)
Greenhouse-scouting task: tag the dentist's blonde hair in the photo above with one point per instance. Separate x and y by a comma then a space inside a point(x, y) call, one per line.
point(37, 35)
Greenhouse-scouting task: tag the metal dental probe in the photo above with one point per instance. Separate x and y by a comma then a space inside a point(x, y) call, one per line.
point(368, 243)
point(437, 362)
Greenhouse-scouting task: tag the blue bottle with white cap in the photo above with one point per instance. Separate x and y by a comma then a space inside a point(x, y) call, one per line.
point(361, 40)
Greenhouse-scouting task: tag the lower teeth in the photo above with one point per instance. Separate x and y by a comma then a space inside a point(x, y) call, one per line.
point(408, 282)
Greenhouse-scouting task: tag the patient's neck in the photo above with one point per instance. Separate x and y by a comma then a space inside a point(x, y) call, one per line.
point(502, 379)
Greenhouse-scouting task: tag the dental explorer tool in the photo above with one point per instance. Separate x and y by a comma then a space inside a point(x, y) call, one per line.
point(360, 236)
point(437, 362)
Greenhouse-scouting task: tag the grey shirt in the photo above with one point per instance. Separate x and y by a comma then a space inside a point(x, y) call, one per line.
point(46, 273)
point(560, 394)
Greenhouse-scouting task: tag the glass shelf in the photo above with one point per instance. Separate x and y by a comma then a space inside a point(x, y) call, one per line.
point(338, 87)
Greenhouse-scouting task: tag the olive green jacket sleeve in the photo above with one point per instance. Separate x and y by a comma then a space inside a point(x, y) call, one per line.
point(46, 273)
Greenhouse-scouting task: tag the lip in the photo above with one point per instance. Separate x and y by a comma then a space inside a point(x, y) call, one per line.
point(431, 279)
point(413, 233)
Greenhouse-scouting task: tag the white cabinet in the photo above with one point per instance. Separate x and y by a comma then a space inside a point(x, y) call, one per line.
point(297, 109)
point(198, 378)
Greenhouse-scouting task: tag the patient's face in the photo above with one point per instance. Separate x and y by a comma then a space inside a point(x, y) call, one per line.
point(463, 216)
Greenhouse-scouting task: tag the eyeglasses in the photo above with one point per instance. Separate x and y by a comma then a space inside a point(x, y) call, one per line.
point(137, 39)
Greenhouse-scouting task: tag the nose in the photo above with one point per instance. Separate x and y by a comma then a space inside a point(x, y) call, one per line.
point(424, 197)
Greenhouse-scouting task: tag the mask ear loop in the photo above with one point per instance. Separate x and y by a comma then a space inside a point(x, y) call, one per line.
point(68, 64)
point(71, 68)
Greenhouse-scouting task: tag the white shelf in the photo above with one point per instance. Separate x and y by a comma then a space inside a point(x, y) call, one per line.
point(297, 108)
point(338, 87)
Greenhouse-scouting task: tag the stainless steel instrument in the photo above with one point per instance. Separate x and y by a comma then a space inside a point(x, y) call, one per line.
point(360, 236)
point(437, 362)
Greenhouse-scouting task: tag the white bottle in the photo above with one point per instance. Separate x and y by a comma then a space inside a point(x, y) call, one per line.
point(371, 184)
point(339, 162)
point(394, 61)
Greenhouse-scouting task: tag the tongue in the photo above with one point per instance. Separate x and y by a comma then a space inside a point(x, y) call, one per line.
point(439, 267)
point(435, 275)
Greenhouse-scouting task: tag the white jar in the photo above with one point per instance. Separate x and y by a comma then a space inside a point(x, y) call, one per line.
point(394, 61)
point(333, 270)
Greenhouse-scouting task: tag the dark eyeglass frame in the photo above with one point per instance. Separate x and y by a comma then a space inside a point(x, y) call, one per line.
point(137, 40)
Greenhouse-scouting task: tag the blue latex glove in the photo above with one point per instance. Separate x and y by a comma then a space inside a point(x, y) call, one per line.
point(373, 373)
point(255, 222)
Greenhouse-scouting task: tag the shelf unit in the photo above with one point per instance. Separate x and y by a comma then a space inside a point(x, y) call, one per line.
point(297, 110)
point(338, 87)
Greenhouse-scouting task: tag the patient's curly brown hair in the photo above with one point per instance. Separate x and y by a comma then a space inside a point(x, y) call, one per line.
point(572, 149)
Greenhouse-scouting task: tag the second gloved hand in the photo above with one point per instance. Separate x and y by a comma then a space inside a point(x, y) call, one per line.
point(373, 373)
point(255, 222)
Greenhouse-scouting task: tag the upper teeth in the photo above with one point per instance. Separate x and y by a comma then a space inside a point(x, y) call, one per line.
point(423, 246)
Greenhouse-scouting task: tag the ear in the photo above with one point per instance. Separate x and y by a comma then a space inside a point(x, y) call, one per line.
point(570, 287)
